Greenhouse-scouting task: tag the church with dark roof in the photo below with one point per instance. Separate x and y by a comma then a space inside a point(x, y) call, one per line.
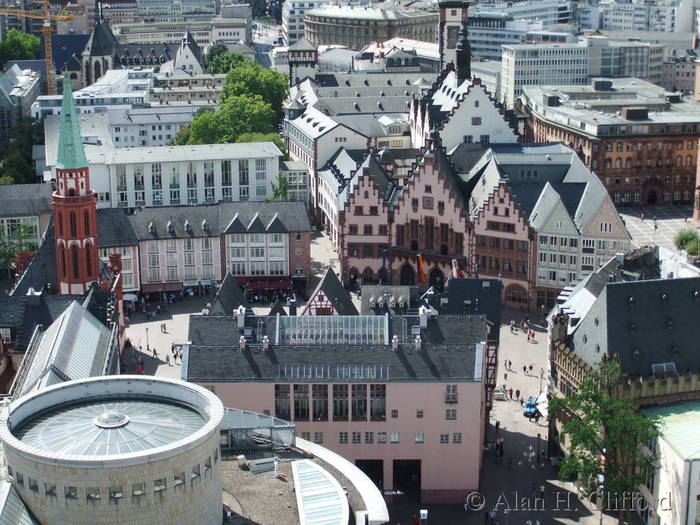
point(103, 52)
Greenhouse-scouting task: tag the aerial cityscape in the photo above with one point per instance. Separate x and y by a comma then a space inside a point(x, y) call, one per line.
point(325, 262)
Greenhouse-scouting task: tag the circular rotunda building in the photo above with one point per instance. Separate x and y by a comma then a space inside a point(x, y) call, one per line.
point(117, 449)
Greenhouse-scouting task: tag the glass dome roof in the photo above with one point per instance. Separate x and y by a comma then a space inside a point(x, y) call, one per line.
point(109, 427)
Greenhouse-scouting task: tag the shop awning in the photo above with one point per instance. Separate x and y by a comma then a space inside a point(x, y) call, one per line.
point(161, 287)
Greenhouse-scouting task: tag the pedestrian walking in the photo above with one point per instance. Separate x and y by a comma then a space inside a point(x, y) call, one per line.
point(528, 336)
point(510, 365)
point(140, 369)
point(510, 393)
point(530, 367)
point(165, 328)
point(158, 309)
point(517, 393)
point(524, 370)
point(167, 359)
point(505, 377)
point(522, 400)
point(533, 488)
point(498, 424)
point(541, 491)
point(512, 326)
point(155, 353)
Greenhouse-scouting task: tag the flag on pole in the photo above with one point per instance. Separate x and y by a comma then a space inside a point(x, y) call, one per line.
point(421, 271)
point(456, 272)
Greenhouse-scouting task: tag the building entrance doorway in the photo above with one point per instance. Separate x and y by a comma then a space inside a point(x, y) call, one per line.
point(651, 197)
point(374, 468)
point(407, 477)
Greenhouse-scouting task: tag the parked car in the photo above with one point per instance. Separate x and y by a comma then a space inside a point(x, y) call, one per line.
point(500, 395)
point(530, 408)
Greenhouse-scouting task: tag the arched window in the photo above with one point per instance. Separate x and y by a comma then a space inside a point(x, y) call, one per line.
point(679, 161)
point(60, 224)
point(88, 260)
point(689, 160)
point(98, 69)
point(63, 260)
point(86, 220)
point(516, 294)
point(608, 164)
point(618, 163)
point(73, 225)
point(628, 162)
point(74, 262)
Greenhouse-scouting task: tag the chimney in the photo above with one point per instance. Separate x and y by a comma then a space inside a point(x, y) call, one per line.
point(241, 342)
point(418, 343)
point(240, 316)
point(423, 316)
point(266, 343)
point(395, 342)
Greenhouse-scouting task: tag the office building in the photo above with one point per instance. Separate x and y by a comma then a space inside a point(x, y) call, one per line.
point(641, 141)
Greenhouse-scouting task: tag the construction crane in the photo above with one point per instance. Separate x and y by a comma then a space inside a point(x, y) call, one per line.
point(47, 17)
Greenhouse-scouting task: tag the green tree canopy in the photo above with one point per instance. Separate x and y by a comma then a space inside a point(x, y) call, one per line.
point(266, 137)
point(242, 114)
point(280, 189)
point(16, 166)
point(250, 77)
point(598, 425)
point(688, 240)
point(223, 62)
point(18, 46)
point(5, 180)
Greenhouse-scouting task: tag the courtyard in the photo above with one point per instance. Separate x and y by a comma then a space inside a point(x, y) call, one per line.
point(656, 224)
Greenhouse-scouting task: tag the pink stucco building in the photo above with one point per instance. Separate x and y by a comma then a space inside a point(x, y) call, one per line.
point(402, 396)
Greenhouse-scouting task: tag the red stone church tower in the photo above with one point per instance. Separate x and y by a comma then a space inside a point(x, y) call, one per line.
point(74, 206)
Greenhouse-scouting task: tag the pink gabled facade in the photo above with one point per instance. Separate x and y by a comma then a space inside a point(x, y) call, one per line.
point(414, 428)
point(364, 233)
point(429, 219)
point(504, 247)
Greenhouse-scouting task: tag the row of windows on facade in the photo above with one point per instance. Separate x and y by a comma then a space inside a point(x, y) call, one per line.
point(349, 402)
point(194, 196)
point(429, 234)
point(393, 437)
point(667, 196)
point(629, 146)
point(650, 163)
point(172, 173)
point(572, 242)
point(236, 239)
point(115, 492)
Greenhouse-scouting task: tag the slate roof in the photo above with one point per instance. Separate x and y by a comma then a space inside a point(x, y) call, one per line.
point(645, 322)
point(356, 106)
point(102, 41)
point(25, 199)
point(63, 49)
point(335, 292)
point(194, 47)
point(228, 298)
point(471, 297)
point(42, 268)
point(225, 217)
point(465, 156)
point(449, 350)
point(277, 308)
point(302, 45)
point(114, 228)
point(74, 346)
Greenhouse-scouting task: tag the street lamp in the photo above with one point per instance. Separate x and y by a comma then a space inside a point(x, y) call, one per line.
point(539, 436)
point(147, 349)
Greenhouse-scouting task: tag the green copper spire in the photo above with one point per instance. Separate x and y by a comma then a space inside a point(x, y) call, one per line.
point(71, 154)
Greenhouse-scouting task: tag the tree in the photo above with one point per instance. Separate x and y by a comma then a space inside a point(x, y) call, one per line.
point(249, 77)
point(16, 166)
point(280, 189)
point(266, 137)
point(686, 239)
point(21, 238)
point(18, 46)
point(238, 115)
point(224, 62)
point(5, 180)
point(216, 50)
point(603, 429)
